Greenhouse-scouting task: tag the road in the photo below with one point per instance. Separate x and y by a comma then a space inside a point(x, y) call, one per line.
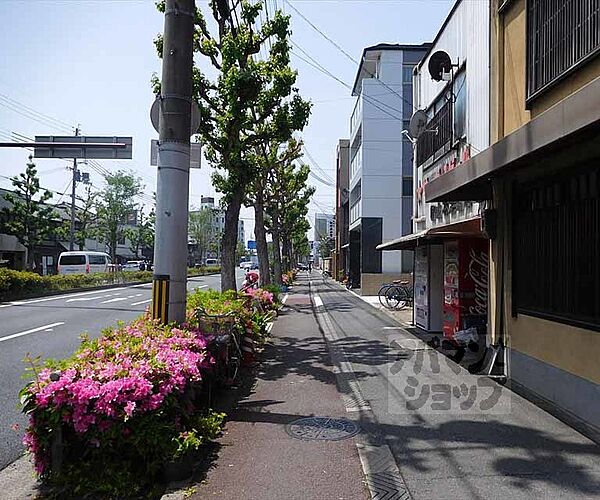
point(50, 327)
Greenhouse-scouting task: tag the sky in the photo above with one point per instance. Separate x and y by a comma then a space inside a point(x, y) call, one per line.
point(88, 63)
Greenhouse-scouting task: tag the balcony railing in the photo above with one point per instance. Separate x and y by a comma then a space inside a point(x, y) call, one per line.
point(436, 135)
point(560, 36)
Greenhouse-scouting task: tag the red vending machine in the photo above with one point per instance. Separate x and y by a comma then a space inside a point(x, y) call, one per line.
point(466, 266)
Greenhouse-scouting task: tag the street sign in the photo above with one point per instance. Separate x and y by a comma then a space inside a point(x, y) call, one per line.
point(155, 116)
point(251, 245)
point(84, 147)
point(195, 154)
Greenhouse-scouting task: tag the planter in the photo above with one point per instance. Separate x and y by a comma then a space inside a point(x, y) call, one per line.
point(179, 469)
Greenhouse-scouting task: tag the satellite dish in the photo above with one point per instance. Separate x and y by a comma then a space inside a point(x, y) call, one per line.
point(417, 124)
point(439, 64)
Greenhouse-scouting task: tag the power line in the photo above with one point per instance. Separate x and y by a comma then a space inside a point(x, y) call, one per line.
point(337, 46)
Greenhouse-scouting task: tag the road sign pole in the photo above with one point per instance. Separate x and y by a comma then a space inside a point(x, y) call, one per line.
point(172, 193)
point(72, 229)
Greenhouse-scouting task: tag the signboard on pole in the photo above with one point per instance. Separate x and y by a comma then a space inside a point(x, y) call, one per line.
point(84, 147)
point(195, 154)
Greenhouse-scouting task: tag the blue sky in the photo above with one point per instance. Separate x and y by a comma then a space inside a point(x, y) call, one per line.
point(89, 62)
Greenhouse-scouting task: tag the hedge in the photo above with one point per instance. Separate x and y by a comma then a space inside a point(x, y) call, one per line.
point(21, 284)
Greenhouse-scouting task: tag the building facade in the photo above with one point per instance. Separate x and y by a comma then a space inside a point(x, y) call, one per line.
point(381, 174)
point(540, 182)
point(451, 254)
point(342, 209)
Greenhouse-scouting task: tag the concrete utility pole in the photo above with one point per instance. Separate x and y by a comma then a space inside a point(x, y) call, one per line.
point(172, 194)
point(73, 186)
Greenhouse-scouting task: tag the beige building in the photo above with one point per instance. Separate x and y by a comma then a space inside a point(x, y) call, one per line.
point(540, 182)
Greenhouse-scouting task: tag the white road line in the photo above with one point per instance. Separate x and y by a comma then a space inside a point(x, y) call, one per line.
point(58, 297)
point(141, 302)
point(33, 330)
point(118, 299)
point(285, 297)
point(318, 301)
point(84, 299)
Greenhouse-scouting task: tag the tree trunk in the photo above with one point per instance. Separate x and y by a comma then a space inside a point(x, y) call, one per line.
point(285, 250)
point(229, 242)
point(276, 252)
point(30, 259)
point(260, 234)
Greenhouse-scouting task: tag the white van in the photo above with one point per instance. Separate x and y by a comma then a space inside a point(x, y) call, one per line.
point(83, 262)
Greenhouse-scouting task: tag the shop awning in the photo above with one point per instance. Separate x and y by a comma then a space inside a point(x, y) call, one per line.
point(468, 228)
point(569, 120)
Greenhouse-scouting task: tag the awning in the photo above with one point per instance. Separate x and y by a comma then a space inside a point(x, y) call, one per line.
point(468, 228)
point(571, 119)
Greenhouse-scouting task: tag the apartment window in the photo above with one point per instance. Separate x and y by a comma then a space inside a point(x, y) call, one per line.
point(407, 74)
point(437, 133)
point(407, 186)
point(460, 104)
point(561, 35)
point(556, 238)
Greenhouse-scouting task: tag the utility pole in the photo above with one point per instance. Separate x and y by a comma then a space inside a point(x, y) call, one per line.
point(73, 186)
point(172, 194)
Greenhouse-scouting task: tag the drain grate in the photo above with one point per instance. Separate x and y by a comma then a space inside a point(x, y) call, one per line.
point(322, 429)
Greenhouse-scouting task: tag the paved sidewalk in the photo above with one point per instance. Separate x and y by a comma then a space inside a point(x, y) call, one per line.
point(258, 458)
point(453, 435)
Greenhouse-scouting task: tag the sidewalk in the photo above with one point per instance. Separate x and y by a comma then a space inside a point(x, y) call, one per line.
point(259, 457)
point(453, 435)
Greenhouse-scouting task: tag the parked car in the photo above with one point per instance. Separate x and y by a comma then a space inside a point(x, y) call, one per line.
point(133, 265)
point(211, 262)
point(83, 262)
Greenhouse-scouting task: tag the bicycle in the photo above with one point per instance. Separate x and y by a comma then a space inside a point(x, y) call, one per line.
point(225, 345)
point(396, 295)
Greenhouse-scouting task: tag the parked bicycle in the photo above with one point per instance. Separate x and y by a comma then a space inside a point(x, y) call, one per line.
point(396, 295)
point(225, 345)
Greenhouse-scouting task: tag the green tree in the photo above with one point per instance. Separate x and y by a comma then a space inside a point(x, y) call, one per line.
point(326, 246)
point(141, 236)
point(200, 231)
point(248, 102)
point(28, 218)
point(115, 204)
point(86, 216)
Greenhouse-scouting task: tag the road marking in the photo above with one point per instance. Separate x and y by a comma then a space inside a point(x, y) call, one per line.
point(318, 301)
point(141, 302)
point(84, 299)
point(284, 300)
point(58, 297)
point(33, 330)
point(118, 299)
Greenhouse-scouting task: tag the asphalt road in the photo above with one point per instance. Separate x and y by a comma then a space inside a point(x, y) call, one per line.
point(50, 327)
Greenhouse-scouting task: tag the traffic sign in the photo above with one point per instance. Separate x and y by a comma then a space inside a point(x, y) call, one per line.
point(83, 146)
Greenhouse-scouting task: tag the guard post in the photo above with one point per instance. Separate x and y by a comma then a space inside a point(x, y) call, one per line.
point(160, 298)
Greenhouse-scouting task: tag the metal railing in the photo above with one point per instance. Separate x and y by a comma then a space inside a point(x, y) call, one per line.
point(436, 135)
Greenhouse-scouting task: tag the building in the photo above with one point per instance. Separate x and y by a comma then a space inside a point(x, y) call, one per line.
point(540, 183)
point(324, 229)
point(381, 177)
point(446, 236)
point(342, 209)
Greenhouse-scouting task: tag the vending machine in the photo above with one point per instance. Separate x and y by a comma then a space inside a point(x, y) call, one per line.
point(428, 287)
point(466, 267)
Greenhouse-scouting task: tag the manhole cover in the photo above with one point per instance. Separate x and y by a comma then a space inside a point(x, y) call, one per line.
point(322, 429)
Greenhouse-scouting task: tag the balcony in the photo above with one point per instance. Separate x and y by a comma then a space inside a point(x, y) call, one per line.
point(437, 134)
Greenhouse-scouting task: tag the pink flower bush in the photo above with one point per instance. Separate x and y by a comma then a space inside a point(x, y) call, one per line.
point(263, 296)
point(128, 372)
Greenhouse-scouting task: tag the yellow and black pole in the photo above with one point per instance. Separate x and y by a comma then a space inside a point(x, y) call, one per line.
point(160, 298)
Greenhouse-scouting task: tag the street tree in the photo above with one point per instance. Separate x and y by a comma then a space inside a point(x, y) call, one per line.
point(86, 215)
point(326, 246)
point(28, 217)
point(249, 101)
point(200, 230)
point(115, 206)
point(141, 236)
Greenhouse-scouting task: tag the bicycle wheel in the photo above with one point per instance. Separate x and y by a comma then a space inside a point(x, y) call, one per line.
point(395, 297)
point(406, 297)
point(382, 292)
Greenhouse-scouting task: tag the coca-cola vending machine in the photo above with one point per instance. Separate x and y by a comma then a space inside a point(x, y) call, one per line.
point(466, 265)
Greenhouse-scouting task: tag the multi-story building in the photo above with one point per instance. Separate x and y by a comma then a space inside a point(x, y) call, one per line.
point(447, 240)
point(342, 209)
point(381, 176)
point(324, 229)
point(540, 183)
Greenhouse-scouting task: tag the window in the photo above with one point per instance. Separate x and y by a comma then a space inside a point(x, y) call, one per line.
point(437, 133)
point(121, 239)
point(72, 260)
point(556, 236)
point(97, 259)
point(407, 186)
point(560, 36)
point(460, 104)
point(407, 74)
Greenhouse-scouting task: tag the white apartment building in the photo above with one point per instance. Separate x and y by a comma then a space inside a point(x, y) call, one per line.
point(381, 174)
